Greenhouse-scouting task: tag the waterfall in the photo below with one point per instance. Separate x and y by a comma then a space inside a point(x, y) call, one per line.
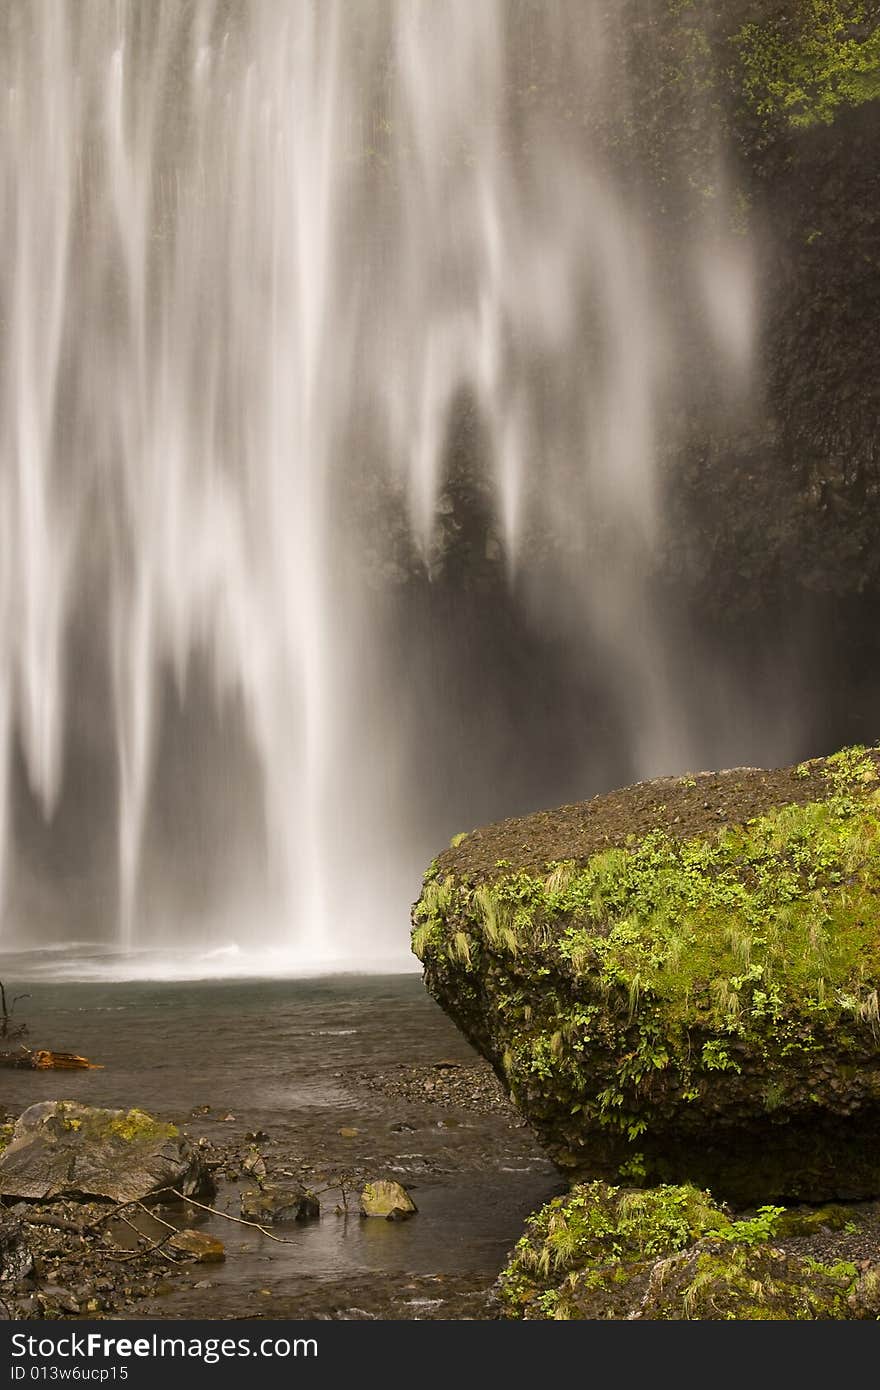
point(255, 258)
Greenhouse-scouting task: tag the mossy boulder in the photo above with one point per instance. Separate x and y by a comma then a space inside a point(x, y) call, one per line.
point(60, 1148)
point(384, 1197)
point(680, 982)
point(673, 1253)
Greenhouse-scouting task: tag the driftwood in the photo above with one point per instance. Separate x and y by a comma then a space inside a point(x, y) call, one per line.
point(36, 1059)
point(41, 1059)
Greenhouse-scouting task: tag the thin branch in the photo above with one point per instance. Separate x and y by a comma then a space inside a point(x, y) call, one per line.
point(138, 1254)
point(123, 1206)
point(160, 1220)
point(239, 1220)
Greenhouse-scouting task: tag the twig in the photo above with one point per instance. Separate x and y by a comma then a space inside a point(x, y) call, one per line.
point(239, 1220)
point(138, 1254)
point(122, 1206)
point(153, 1217)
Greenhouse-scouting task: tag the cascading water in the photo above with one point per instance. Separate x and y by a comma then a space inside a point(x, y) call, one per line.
point(257, 259)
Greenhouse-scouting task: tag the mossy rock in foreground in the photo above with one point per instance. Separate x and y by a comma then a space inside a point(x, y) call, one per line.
point(671, 1253)
point(60, 1148)
point(695, 1001)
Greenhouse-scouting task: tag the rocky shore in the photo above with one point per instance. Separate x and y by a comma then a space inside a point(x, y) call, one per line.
point(89, 1217)
point(678, 984)
point(102, 1209)
point(443, 1129)
point(473, 1088)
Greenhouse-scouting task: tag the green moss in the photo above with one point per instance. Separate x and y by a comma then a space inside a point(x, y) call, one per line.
point(668, 1253)
point(804, 66)
point(136, 1126)
point(756, 1284)
point(133, 1126)
point(805, 1222)
point(430, 913)
point(594, 1241)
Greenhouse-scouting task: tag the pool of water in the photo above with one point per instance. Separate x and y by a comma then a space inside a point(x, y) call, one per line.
point(290, 1057)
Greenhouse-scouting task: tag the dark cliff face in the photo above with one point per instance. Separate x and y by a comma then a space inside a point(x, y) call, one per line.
point(774, 520)
point(773, 497)
point(772, 502)
point(791, 503)
point(750, 107)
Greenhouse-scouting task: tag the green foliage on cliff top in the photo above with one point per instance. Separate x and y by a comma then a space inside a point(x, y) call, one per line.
point(804, 66)
point(669, 1252)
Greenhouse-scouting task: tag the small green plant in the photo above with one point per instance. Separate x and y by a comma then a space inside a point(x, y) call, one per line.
point(634, 1170)
point(754, 1231)
point(716, 1056)
point(815, 57)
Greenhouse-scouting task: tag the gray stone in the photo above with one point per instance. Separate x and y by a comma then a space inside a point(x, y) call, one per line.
point(279, 1202)
point(60, 1148)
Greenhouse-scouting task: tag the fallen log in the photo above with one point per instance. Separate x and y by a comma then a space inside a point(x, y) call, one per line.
point(41, 1059)
point(63, 1061)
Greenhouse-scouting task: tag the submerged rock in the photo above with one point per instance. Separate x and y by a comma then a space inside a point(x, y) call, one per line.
point(680, 982)
point(201, 1247)
point(279, 1202)
point(60, 1148)
point(387, 1198)
point(672, 1253)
